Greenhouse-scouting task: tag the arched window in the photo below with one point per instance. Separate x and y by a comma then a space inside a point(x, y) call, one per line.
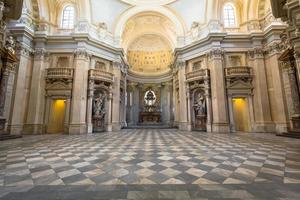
point(229, 15)
point(68, 16)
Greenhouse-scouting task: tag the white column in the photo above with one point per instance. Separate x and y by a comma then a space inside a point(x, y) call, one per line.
point(89, 112)
point(189, 107)
point(219, 105)
point(79, 93)
point(109, 112)
point(36, 107)
point(262, 111)
point(19, 103)
point(116, 123)
point(183, 114)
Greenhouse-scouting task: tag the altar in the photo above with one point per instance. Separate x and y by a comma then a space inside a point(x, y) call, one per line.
point(150, 117)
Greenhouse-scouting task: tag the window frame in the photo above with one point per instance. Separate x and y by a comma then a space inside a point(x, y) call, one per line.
point(69, 25)
point(228, 24)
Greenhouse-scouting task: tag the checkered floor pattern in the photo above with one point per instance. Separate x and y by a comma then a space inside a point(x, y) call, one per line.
point(149, 157)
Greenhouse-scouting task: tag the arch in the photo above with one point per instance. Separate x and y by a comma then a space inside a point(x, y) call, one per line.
point(123, 18)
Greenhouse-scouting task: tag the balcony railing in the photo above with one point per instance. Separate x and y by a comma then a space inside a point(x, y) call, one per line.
point(59, 73)
point(196, 75)
point(101, 75)
point(241, 71)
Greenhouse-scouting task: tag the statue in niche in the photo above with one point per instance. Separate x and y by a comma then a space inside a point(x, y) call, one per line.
point(200, 105)
point(99, 106)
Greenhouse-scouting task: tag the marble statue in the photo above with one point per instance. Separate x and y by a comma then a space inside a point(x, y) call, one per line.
point(98, 106)
point(200, 105)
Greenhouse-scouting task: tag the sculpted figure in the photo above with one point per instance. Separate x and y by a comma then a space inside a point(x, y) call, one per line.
point(200, 105)
point(98, 106)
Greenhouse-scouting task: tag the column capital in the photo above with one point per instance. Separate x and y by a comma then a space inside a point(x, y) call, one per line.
point(41, 54)
point(180, 64)
point(256, 53)
point(216, 53)
point(81, 54)
point(24, 50)
point(117, 64)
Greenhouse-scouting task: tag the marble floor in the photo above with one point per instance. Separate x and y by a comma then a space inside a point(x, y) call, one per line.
point(150, 164)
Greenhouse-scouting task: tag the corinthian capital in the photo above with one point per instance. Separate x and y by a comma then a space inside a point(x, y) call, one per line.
point(82, 54)
point(40, 54)
point(216, 53)
point(256, 53)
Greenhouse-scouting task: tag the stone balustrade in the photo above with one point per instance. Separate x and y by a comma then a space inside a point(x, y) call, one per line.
point(240, 71)
point(196, 75)
point(101, 75)
point(59, 73)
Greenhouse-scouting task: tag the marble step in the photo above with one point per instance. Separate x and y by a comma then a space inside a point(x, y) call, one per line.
point(290, 135)
point(9, 137)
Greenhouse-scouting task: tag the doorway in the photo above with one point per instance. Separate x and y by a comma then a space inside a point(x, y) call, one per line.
point(241, 114)
point(57, 116)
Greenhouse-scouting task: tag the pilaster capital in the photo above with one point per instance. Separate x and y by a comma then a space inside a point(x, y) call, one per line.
point(256, 53)
point(216, 53)
point(81, 54)
point(41, 54)
point(117, 64)
point(275, 47)
point(24, 50)
point(180, 64)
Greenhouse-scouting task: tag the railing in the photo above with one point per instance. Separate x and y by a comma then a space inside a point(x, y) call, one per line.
point(59, 73)
point(200, 74)
point(101, 75)
point(241, 71)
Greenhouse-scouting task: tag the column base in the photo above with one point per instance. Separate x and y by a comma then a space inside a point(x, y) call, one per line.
point(221, 128)
point(77, 129)
point(116, 126)
point(2, 125)
point(15, 129)
point(266, 127)
point(90, 128)
point(184, 126)
point(208, 128)
point(109, 128)
point(34, 129)
point(281, 128)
